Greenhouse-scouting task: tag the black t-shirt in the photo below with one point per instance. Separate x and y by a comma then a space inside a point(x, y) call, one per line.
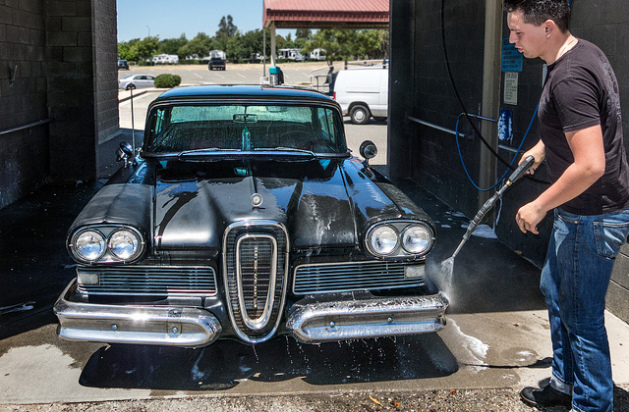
point(581, 91)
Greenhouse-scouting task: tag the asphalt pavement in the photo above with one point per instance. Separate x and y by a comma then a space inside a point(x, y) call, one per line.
point(496, 340)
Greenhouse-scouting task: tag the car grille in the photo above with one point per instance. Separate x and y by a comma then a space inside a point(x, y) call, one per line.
point(349, 276)
point(255, 256)
point(149, 280)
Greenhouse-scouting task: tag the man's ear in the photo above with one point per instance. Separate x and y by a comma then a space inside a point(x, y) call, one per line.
point(549, 27)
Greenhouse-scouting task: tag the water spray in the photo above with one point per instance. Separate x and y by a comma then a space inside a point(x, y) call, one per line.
point(524, 166)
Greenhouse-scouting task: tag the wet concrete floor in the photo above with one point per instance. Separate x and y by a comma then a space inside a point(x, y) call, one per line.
point(496, 337)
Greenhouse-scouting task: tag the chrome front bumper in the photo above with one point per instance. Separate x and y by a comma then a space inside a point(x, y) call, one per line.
point(364, 319)
point(148, 325)
point(193, 327)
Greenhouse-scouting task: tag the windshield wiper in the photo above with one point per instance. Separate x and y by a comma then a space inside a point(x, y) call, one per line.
point(204, 150)
point(286, 149)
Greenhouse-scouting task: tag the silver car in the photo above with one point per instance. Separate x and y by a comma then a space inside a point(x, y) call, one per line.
point(136, 81)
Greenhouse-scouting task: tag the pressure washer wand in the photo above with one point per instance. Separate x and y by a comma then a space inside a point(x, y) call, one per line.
point(524, 166)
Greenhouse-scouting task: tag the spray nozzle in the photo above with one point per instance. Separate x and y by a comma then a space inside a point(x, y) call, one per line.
point(524, 166)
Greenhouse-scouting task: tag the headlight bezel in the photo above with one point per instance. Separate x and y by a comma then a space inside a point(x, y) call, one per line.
point(76, 240)
point(373, 232)
point(108, 255)
point(400, 251)
point(428, 232)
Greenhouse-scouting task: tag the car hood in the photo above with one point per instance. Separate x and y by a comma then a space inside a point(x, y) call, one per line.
point(322, 202)
point(187, 205)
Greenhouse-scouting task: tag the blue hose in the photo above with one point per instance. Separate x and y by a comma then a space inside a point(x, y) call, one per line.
point(458, 146)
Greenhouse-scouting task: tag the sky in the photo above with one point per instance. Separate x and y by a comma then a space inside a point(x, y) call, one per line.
point(169, 19)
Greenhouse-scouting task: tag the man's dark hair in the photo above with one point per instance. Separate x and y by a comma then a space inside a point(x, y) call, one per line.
point(536, 12)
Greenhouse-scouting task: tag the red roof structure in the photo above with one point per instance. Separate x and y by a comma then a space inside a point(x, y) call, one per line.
point(323, 14)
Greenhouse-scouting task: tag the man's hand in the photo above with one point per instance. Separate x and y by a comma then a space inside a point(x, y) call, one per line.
point(539, 154)
point(529, 216)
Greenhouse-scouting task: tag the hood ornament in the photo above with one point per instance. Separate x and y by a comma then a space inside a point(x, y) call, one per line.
point(256, 200)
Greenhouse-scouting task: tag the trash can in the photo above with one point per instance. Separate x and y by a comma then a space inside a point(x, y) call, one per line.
point(273, 75)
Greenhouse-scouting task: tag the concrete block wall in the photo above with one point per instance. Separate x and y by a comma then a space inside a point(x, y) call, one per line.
point(106, 84)
point(23, 153)
point(57, 62)
point(421, 89)
point(71, 89)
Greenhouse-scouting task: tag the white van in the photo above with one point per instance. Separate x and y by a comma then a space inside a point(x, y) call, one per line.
point(363, 93)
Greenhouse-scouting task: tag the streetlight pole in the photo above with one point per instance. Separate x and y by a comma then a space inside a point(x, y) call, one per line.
point(149, 30)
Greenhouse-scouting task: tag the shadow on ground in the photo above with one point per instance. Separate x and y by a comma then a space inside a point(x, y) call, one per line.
point(224, 364)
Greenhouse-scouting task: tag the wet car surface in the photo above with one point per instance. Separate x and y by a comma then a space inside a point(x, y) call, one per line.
point(246, 217)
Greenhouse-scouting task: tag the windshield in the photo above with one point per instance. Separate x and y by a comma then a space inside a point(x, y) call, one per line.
point(181, 128)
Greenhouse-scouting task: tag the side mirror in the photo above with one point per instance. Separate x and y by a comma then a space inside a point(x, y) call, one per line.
point(125, 153)
point(368, 150)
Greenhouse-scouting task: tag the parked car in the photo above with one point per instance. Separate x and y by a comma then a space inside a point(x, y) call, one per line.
point(123, 64)
point(217, 60)
point(245, 216)
point(136, 81)
point(363, 93)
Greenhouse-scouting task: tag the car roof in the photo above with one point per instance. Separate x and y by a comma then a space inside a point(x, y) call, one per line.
point(136, 75)
point(244, 92)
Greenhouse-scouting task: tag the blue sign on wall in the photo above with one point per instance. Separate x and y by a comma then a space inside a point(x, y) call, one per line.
point(505, 125)
point(511, 57)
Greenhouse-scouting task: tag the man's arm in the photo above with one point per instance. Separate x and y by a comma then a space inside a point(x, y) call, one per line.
point(589, 165)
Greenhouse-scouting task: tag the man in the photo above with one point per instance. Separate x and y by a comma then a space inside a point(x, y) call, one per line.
point(582, 143)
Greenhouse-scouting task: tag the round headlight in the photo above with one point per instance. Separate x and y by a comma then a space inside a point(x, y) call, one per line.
point(89, 245)
point(383, 240)
point(124, 244)
point(417, 239)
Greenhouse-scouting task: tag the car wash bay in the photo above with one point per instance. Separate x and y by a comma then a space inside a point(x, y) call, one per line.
point(452, 58)
point(482, 331)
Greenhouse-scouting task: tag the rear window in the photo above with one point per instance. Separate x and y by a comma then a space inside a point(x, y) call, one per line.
point(178, 128)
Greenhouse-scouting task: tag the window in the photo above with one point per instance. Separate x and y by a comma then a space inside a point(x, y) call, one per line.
point(245, 127)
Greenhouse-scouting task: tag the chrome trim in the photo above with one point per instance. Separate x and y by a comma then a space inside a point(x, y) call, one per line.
point(369, 235)
point(369, 318)
point(399, 225)
point(106, 230)
point(142, 324)
point(348, 286)
point(261, 322)
point(255, 223)
point(149, 280)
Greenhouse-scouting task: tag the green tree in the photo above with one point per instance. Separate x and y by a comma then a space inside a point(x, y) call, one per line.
point(147, 47)
point(369, 45)
point(172, 46)
point(137, 49)
point(346, 44)
point(124, 51)
point(303, 34)
point(252, 43)
point(199, 46)
point(226, 27)
point(338, 43)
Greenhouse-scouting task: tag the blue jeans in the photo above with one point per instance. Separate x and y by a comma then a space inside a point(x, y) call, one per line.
point(575, 278)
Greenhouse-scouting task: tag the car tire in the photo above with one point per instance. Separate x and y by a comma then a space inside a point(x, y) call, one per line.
point(131, 87)
point(359, 114)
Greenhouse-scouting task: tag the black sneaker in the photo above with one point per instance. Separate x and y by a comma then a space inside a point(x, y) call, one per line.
point(545, 397)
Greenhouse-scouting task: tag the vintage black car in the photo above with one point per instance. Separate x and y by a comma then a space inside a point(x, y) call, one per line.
point(245, 216)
